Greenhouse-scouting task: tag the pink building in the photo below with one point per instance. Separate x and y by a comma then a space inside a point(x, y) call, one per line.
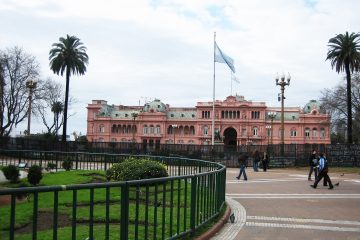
point(237, 122)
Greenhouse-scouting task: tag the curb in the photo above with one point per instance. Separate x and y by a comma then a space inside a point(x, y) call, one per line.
point(216, 228)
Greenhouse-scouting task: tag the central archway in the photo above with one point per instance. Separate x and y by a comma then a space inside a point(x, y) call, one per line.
point(230, 136)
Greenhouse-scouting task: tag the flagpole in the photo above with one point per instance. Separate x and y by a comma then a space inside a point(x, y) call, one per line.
point(213, 110)
point(231, 80)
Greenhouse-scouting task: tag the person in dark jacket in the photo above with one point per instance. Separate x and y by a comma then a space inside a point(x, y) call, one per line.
point(242, 162)
point(256, 160)
point(265, 161)
point(313, 162)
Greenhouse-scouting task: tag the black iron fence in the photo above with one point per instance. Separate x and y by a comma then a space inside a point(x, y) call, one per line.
point(163, 208)
point(292, 154)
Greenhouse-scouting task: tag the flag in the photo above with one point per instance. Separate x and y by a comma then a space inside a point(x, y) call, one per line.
point(221, 57)
point(233, 77)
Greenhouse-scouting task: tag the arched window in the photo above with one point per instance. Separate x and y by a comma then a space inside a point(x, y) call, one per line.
point(222, 114)
point(322, 133)
point(226, 114)
point(102, 128)
point(293, 132)
point(186, 130)
point(307, 133)
point(170, 130)
point(124, 128)
point(205, 130)
point(145, 130)
point(157, 129)
point(151, 129)
point(181, 130)
point(238, 114)
point(113, 129)
point(192, 130)
point(255, 131)
point(314, 133)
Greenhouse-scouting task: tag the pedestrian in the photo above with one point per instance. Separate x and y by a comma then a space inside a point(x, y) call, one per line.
point(256, 160)
point(265, 161)
point(313, 162)
point(242, 162)
point(323, 172)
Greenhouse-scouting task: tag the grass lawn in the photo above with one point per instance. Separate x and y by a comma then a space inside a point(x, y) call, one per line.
point(149, 217)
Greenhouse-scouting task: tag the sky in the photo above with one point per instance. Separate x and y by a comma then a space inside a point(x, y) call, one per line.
point(145, 49)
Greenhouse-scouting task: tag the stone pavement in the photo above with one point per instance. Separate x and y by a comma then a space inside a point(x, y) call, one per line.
point(279, 204)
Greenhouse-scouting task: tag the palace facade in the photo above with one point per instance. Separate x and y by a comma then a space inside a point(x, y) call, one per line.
point(237, 122)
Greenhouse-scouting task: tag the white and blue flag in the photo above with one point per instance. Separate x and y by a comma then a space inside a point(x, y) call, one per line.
point(221, 57)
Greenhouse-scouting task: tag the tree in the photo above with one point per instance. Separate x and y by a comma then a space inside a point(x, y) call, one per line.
point(344, 54)
point(16, 68)
point(49, 97)
point(334, 101)
point(68, 55)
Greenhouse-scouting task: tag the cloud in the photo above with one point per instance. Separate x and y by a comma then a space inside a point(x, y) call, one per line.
point(164, 49)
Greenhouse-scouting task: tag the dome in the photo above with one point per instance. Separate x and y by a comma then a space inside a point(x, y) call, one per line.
point(311, 106)
point(155, 106)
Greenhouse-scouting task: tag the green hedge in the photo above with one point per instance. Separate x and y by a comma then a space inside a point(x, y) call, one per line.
point(135, 169)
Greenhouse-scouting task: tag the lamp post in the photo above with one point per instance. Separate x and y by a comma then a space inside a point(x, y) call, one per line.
point(282, 83)
point(173, 127)
point(31, 85)
point(268, 129)
point(272, 116)
point(134, 115)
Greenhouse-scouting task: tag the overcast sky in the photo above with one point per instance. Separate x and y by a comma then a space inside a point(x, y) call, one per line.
point(143, 49)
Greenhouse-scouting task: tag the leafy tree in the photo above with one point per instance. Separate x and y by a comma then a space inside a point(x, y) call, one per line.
point(344, 54)
point(16, 68)
point(34, 175)
point(69, 56)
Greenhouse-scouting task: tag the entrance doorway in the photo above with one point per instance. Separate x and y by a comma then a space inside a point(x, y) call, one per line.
point(230, 135)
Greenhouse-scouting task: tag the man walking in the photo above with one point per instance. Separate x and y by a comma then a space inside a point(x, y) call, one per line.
point(313, 162)
point(323, 169)
point(242, 161)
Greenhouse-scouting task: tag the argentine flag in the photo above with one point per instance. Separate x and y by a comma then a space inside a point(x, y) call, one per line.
point(221, 57)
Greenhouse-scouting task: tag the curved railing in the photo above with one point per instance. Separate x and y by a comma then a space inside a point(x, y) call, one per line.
point(162, 208)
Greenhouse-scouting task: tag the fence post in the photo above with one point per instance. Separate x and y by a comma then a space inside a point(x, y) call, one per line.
point(193, 204)
point(124, 221)
point(77, 160)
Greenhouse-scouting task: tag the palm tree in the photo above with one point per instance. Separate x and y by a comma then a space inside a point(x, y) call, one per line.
point(344, 54)
point(68, 55)
point(57, 108)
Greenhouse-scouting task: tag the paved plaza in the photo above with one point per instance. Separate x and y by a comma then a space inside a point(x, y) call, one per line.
point(280, 204)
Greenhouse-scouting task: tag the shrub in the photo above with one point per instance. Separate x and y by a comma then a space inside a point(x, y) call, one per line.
point(135, 169)
point(67, 164)
point(50, 166)
point(11, 173)
point(35, 174)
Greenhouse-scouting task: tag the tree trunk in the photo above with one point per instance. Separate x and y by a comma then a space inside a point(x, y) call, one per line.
point(349, 111)
point(63, 139)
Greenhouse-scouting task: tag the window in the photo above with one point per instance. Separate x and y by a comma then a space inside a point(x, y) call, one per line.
point(102, 128)
point(151, 129)
point(307, 133)
point(255, 115)
point(255, 131)
point(113, 140)
point(205, 114)
point(243, 132)
point(293, 132)
point(205, 130)
point(314, 133)
point(145, 129)
point(192, 130)
point(322, 133)
point(157, 129)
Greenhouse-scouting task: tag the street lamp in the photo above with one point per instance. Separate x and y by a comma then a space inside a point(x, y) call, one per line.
point(134, 115)
point(268, 129)
point(31, 85)
point(282, 84)
point(173, 127)
point(272, 116)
